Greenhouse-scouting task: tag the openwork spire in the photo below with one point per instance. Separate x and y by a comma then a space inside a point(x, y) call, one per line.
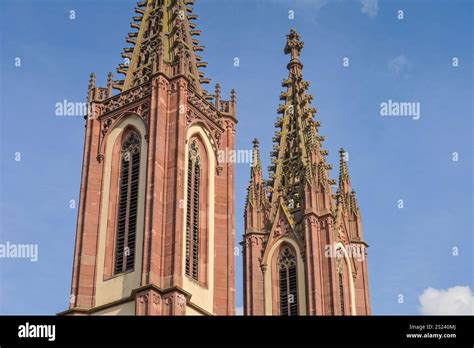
point(163, 39)
point(297, 158)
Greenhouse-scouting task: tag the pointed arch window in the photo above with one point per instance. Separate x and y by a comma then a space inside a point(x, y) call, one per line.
point(340, 273)
point(341, 292)
point(193, 210)
point(128, 203)
point(288, 282)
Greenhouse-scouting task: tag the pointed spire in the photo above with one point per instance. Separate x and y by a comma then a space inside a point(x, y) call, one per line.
point(343, 172)
point(256, 164)
point(90, 89)
point(296, 160)
point(344, 193)
point(256, 180)
point(163, 40)
point(344, 187)
point(257, 204)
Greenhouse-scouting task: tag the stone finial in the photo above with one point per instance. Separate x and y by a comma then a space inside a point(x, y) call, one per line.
point(110, 82)
point(294, 45)
point(344, 180)
point(343, 172)
point(256, 155)
point(92, 81)
point(90, 89)
point(217, 94)
point(255, 143)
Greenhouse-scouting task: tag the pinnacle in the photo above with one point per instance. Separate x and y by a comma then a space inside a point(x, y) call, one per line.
point(256, 165)
point(294, 46)
point(343, 171)
point(92, 79)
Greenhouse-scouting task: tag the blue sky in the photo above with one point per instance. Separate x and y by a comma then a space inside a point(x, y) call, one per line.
point(390, 158)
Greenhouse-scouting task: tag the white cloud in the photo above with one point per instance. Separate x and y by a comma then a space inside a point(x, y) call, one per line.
point(239, 311)
point(458, 300)
point(370, 7)
point(399, 65)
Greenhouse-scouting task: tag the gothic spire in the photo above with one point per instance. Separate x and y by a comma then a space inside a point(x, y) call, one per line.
point(344, 181)
point(256, 180)
point(345, 195)
point(256, 164)
point(257, 204)
point(90, 89)
point(297, 159)
point(163, 39)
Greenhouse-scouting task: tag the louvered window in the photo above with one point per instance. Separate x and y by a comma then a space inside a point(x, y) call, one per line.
point(288, 282)
point(341, 293)
point(127, 204)
point(192, 211)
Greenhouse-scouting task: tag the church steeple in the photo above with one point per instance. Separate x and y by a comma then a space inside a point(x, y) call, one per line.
point(164, 40)
point(152, 177)
point(288, 232)
point(297, 159)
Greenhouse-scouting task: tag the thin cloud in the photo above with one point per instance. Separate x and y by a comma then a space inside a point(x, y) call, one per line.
point(370, 7)
point(458, 300)
point(399, 65)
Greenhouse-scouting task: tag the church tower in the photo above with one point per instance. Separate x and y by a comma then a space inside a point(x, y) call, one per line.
point(303, 247)
point(155, 230)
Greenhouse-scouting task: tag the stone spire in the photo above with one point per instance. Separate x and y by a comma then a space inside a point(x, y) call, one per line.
point(344, 181)
point(297, 158)
point(257, 204)
point(163, 40)
point(90, 88)
point(256, 164)
point(345, 196)
point(299, 213)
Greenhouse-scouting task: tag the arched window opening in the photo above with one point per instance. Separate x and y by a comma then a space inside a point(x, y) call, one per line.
point(341, 293)
point(128, 203)
point(288, 282)
point(192, 211)
point(340, 273)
